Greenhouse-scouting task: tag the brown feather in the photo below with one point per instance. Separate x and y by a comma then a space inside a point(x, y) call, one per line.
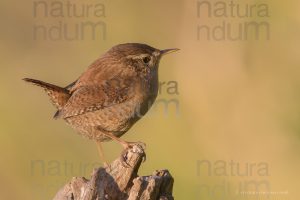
point(58, 95)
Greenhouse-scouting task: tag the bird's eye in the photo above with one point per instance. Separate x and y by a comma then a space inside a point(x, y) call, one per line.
point(146, 60)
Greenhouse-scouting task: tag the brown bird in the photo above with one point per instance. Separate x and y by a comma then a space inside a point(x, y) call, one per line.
point(111, 95)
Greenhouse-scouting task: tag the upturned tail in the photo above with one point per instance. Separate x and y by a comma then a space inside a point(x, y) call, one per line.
point(58, 95)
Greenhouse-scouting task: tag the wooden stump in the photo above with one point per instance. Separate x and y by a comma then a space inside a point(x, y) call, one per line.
point(120, 182)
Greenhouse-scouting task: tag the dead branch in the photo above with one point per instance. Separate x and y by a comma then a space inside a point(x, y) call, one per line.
point(120, 182)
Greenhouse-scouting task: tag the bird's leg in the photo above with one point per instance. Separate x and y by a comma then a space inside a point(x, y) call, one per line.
point(101, 154)
point(126, 145)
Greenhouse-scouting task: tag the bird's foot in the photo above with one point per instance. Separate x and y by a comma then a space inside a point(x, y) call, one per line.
point(130, 145)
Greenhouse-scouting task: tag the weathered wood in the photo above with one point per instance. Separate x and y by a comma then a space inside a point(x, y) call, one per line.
point(120, 182)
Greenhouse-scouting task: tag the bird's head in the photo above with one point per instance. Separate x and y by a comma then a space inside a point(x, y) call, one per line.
point(141, 56)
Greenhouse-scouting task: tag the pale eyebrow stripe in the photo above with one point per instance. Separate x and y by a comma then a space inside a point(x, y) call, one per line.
point(135, 56)
point(155, 53)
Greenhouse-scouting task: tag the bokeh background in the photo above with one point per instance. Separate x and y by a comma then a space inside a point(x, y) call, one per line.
point(238, 100)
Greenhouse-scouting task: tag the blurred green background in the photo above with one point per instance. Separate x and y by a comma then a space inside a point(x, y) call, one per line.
point(238, 100)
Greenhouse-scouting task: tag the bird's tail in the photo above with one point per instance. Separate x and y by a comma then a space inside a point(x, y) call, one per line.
point(58, 95)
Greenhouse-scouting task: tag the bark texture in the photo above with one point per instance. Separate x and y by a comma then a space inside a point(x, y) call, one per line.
point(120, 182)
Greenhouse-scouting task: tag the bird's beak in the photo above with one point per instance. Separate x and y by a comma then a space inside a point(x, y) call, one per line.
point(167, 51)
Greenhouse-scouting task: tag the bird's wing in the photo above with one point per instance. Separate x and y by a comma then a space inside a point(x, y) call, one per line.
point(91, 98)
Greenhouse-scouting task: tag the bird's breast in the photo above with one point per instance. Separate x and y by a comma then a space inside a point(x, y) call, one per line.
point(149, 92)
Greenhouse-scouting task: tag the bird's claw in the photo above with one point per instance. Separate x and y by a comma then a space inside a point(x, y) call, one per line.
point(127, 146)
point(124, 159)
